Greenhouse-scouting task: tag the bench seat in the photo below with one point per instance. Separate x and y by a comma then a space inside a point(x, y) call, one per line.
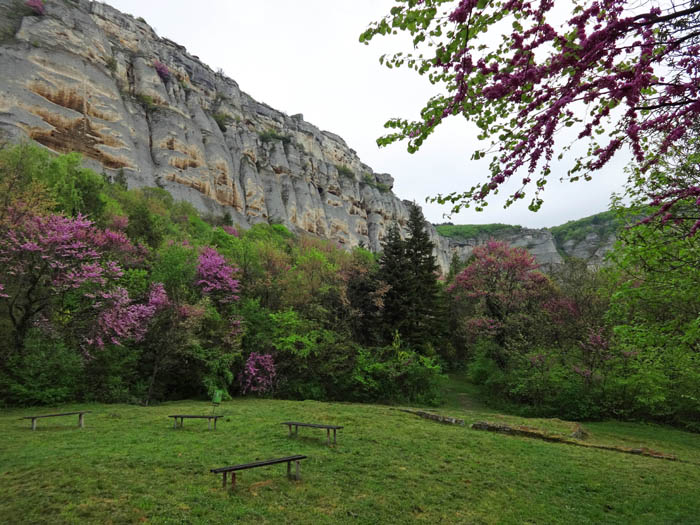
point(182, 417)
point(328, 428)
point(80, 414)
point(234, 468)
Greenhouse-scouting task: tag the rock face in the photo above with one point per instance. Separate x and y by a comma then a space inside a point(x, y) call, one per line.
point(542, 243)
point(84, 77)
point(539, 243)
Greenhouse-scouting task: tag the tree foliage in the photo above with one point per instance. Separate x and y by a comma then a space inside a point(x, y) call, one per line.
point(615, 72)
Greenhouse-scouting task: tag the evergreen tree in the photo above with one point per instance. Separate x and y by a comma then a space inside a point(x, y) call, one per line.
point(424, 293)
point(395, 271)
point(410, 269)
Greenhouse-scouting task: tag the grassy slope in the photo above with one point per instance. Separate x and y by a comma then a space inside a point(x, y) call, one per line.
point(129, 465)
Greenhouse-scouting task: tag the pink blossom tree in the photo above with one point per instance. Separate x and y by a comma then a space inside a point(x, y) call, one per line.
point(215, 277)
point(51, 264)
point(500, 293)
point(616, 73)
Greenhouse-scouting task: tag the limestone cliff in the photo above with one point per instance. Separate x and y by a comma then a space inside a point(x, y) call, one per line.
point(84, 77)
point(589, 239)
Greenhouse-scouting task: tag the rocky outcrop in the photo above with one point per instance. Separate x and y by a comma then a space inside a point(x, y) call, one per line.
point(85, 77)
point(542, 243)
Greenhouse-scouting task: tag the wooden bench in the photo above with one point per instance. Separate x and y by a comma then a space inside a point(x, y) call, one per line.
point(182, 417)
point(233, 469)
point(328, 428)
point(81, 418)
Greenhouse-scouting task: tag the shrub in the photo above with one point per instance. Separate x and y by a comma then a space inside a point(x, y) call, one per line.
point(112, 64)
point(345, 171)
point(162, 70)
point(270, 135)
point(45, 372)
point(372, 182)
point(37, 7)
point(146, 102)
point(222, 120)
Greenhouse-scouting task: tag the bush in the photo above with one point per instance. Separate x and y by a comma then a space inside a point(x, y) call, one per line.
point(271, 135)
point(47, 372)
point(162, 70)
point(112, 64)
point(146, 102)
point(345, 171)
point(372, 182)
point(222, 120)
point(36, 6)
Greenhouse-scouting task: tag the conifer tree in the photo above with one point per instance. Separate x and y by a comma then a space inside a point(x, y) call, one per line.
point(410, 269)
point(424, 289)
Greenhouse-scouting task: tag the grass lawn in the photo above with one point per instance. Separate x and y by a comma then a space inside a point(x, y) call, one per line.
point(128, 465)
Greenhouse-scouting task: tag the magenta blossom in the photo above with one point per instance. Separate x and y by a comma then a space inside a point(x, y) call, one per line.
point(216, 276)
point(259, 374)
point(37, 6)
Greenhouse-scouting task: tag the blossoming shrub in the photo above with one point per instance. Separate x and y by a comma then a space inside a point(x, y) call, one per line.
point(258, 375)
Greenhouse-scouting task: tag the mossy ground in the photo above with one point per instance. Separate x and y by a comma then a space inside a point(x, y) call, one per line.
point(128, 465)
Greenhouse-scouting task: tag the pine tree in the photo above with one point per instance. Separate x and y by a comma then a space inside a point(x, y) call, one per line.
point(396, 272)
point(425, 291)
point(410, 269)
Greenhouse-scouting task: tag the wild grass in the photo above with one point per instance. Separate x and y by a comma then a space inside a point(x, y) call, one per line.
point(128, 465)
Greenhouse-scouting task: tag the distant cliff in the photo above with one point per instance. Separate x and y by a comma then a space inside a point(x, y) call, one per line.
point(590, 238)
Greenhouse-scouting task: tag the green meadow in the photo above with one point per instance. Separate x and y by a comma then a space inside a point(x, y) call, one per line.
point(129, 465)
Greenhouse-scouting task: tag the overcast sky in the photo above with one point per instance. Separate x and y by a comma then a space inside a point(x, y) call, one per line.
point(303, 56)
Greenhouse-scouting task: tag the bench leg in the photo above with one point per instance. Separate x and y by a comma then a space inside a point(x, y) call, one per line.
point(33, 424)
point(334, 436)
point(81, 421)
point(214, 424)
point(296, 429)
point(328, 437)
point(289, 469)
point(233, 480)
point(224, 485)
point(298, 476)
point(290, 429)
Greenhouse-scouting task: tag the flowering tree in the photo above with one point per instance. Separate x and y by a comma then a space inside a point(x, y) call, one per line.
point(120, 318)
point(45, 260)
point(215, 276)
point(501, 292)
point(615, 73)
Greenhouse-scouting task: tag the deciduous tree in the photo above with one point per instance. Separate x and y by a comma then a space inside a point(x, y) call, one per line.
point(615, 72)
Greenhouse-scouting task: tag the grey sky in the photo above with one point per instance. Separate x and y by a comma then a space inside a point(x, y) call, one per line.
point(303, 56)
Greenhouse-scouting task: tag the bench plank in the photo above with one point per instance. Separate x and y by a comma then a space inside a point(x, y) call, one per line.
point(257, 464)
point(314, 425)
